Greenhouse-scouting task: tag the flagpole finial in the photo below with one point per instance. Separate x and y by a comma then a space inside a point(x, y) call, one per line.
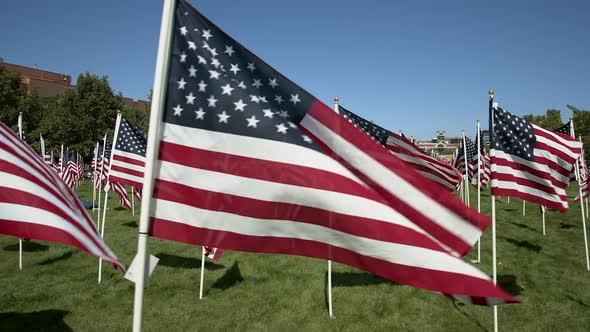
point(491, 92)
point(336, 100)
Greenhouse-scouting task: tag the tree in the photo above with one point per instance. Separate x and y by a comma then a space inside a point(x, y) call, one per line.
point(550, 120)
point(11, 96)
point(581, 119)
point(83, 115)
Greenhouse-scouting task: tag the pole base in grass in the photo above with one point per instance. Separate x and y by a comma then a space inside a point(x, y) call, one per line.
point(475, 261)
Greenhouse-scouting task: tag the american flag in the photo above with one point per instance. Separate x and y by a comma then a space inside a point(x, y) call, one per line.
point(123, 195)
point(35, 204)
point(528, 161)
point(128, 154)
point(484, 163)
point(46, 158)
point(427, 165)
point(213, 253)
point(137, 193)
point(65, 170)
point(567, 130)
point(250, 161)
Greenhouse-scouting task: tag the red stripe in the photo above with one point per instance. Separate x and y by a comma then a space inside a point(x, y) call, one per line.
point(128, 160)
point(551, 190)
point(529, 197)
point(327, 117)
point(124, 170)
point(259, 209)
point(527, 169)
point(447, 282)
point(125, 181)
point(540, 147)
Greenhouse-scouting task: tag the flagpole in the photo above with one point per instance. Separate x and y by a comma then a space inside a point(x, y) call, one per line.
point(543, 211)
point(20, 241)
point(104, 212)
point(478, 186)
point(494, 272)
point(92, 176)
point(104, 146)
point(202, 272)
point(132, 201)
point(581, 202)
point(523, 207)
point(157, 107)
point(466, 173)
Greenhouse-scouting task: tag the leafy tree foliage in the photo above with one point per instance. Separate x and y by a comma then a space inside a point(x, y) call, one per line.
point(550, 120)
point(581, 120)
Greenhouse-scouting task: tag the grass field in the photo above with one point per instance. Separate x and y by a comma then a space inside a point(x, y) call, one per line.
point(58, 291)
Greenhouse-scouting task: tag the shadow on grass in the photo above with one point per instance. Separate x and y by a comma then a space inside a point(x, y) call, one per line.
point(232, 277)
point(510, 210)
point(46, 320)
point(28, 246)
point(458, 306)
point(351, 279)
point(185, 262)
point(509, 284)
point(578, 301)
point(131, 224)
point(565, 226)
point(63, 257)
point(120, 208)
point(523, 226)
point(524, 244)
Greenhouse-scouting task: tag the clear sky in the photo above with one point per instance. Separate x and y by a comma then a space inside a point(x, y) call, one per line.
point(415, 65)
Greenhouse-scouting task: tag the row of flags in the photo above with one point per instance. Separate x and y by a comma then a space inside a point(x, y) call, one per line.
point(244, 159)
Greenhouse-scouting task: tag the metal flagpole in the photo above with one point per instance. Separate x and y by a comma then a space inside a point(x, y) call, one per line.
point(523, 207)
point(543, 211)
point(581, 202)
point(494, 272)
point(157, 107)
point(508, 201)
point(202, 272)
point(20, 241)
point(104, 212)
point(466, 173)
point(92, 175)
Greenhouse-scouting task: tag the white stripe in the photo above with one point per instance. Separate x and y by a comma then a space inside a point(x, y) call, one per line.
point(558, 147)
point(284, 193)
point(392, 252)
point(528, 176)
point(119, 175)
point(253, 148)
point(434, 171)
point(127, 165)
point(534, 165)
point(129, 155)
point(393, 183)
point(33, 215)
point(570, 143)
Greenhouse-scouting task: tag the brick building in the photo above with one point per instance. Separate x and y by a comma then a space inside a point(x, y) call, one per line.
point(49, 84)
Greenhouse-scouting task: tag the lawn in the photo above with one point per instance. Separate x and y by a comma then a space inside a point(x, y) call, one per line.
point(57, 289)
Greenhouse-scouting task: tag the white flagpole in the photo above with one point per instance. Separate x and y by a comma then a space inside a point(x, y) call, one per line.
point(586, 199)
point(466, 170)
point(581, 202)
point(523, 207)
point(20, 241)
point(508, 202)
point(494, 272)
point(202, 272)
point(158, 101)
point(104, 146)
point(543, 211)
point(478, 188)
point(104, 213)
point(133, 200)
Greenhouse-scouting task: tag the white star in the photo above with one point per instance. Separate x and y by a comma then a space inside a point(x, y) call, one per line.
point(234, 69)
point(181, 83)
point(213, 51)
point(200, 113)
point(183, 31)
point(306, 138)
point(192, 71)
point(223, 117)
point(283, 114)
point(182, 57)
point(257, 83)
point(212, 101)
point(291, 124)
point(207, 34)
point(215, 62)
point(229, 50)
point(295, 99)
point(255, 99)
point(251, 66)
point(252, 121)
point(268, 113)
point(281, 128)
point(214, 74)
point(242, 85)
point(201, 59)
point(273, 83)
point(190, 98)
point(202, 86)
point(279, 99)
point(263, 99)
point(240, 105)
point(192, 45)
point(227, 89)
point(177, 110)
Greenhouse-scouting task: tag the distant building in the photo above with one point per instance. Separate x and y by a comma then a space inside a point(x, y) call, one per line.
point(441, 142)
point(49, 84)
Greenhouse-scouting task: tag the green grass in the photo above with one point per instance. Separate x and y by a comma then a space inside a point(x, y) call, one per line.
point(58, 290)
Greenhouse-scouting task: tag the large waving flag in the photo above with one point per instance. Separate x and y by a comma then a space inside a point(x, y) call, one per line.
point(427, 165)
point(36, 204)
point(530, 162)
point(250, 161)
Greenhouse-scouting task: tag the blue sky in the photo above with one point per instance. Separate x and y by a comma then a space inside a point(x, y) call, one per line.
point(418, 66)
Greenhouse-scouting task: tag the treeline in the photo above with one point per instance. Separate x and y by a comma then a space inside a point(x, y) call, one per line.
point(77, 118)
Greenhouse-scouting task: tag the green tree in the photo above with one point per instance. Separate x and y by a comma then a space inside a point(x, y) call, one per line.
point(581, 119)
point(83, 115)
point(11, 96)
point(550, 120)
